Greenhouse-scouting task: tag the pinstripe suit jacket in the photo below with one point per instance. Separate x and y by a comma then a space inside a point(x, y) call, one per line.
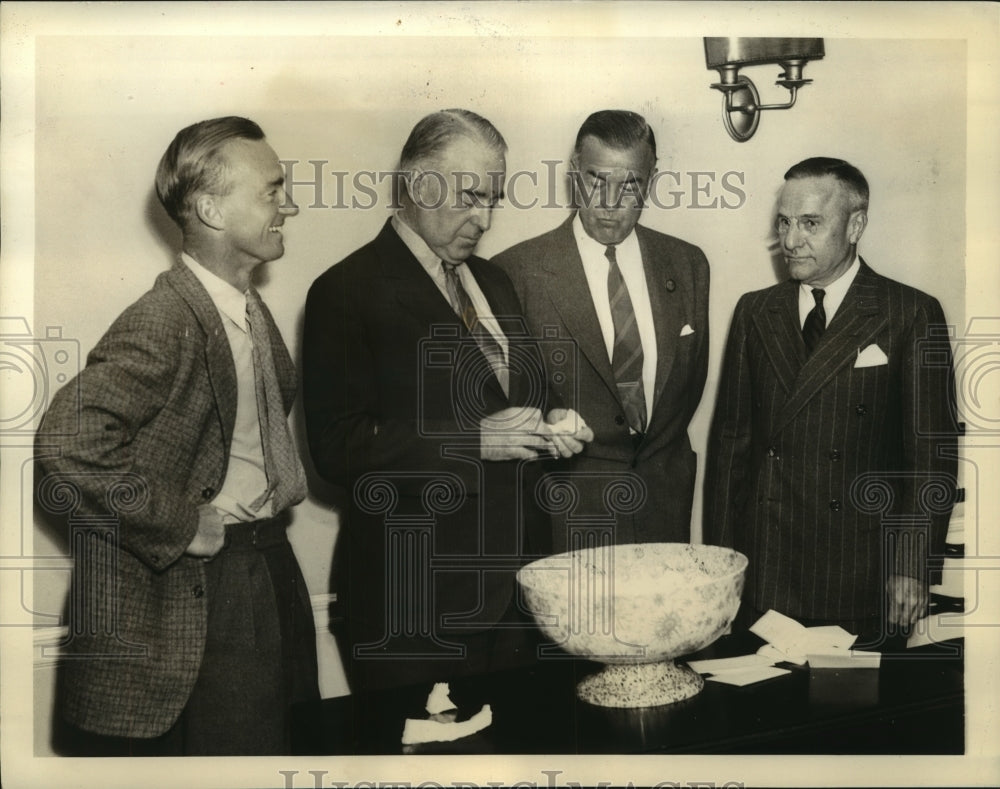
point(550, 281)
point(143, 436)
point(828, 475)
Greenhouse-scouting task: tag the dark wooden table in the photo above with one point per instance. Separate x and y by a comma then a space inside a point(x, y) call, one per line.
point(913, 704)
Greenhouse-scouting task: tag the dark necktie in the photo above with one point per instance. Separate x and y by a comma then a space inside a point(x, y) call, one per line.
point(487, 343)
point(286, 479)
point(815, 323)
point(626, 357)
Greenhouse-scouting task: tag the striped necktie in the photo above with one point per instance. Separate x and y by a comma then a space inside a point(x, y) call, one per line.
point(626, 358)
point(463, 306)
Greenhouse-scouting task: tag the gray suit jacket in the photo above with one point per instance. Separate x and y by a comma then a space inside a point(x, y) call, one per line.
point(641, 492)
point(831, 476)
point(142, 438)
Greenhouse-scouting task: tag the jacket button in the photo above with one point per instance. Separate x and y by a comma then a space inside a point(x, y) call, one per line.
point(198, 591)
point(834, 455)
point(772, 452)
point(835, 505)
point(619, 420)
point(207, 493)
point(861, 409)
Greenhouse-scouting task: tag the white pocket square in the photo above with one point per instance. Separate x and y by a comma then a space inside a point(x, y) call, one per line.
point(872, 356)
point(687, 330)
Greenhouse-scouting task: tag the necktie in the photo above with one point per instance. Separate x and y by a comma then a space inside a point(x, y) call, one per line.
point(815, 323)
point(626, 357)
point(487, 343)
point(286, 479)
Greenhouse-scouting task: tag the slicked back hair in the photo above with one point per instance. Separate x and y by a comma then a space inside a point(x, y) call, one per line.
point(193, 164)
point(849, 175)
point(618, 129)
point(435, 132)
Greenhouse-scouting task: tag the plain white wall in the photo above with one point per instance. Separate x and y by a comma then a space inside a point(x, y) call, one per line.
point(108, 106)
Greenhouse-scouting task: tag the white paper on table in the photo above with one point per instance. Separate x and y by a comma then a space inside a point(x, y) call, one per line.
point(418, 731)
point(779, 630)
point(831, 635)
point(775, 655)
point(741, 663)
point(748, 677)
point(823, 639)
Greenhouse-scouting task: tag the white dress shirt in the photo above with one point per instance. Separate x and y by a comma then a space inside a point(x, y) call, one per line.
point(834, 294)
point(245, 479)
point(595, 267)
point(432, 265)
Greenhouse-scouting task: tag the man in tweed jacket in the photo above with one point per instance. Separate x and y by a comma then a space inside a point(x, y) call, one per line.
point(834, 469)
point(191, 631)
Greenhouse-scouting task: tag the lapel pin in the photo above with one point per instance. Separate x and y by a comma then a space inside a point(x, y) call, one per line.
point(671, 285)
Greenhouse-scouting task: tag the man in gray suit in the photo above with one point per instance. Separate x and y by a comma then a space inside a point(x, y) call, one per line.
point(634, 303)
point(831, 459)
point(190, 625)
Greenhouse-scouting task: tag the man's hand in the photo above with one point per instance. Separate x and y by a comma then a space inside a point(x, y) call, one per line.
point(568, 431)
point(515, 434)
point(908, 600)
point(211, 534)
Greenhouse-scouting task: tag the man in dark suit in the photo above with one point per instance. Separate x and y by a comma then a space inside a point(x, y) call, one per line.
point(424, 398)
point(634, 302)
point(190, 625)
point(832, 450)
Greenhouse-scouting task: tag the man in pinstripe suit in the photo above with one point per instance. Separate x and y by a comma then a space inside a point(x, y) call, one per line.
point(831, 458)
point(191, 630)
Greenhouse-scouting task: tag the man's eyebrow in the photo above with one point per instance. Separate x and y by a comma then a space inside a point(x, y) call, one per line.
point(482, 194)
point(278, 181)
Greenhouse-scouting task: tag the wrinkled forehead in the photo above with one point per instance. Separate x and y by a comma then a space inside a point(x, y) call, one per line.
point(811, 195)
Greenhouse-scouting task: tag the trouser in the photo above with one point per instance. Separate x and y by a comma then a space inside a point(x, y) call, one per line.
point(259, 658)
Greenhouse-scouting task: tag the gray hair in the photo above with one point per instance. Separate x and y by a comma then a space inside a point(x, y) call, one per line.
point(435, 132)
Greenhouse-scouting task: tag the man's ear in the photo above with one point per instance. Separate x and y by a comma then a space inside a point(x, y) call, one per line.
point(411, 182)
point(207, 210)
point(858, 223)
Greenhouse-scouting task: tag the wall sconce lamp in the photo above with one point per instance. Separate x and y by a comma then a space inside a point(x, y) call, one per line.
point(741, 105)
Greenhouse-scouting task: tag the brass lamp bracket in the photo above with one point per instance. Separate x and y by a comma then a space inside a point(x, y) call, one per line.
point(741, 105)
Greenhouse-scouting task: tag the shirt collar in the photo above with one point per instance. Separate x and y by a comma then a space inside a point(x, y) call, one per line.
point(837, 289)
point(423, 253)
point(228, 300)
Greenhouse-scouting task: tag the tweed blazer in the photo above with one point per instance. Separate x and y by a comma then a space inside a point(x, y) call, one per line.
point(652, 482)
point(394, 388)
point(835, 471)
point(142, 437)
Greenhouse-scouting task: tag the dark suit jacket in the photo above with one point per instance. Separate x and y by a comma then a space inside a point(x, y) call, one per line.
point(830, 476)
point(143, 434)
point(650, 485)
point(394, 388)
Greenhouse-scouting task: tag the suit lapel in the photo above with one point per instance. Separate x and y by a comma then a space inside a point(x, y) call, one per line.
point(668, 295)
point(416, 293)
point(859, 318)
point(569, 293)
point(778, 324)
point(218, 354)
